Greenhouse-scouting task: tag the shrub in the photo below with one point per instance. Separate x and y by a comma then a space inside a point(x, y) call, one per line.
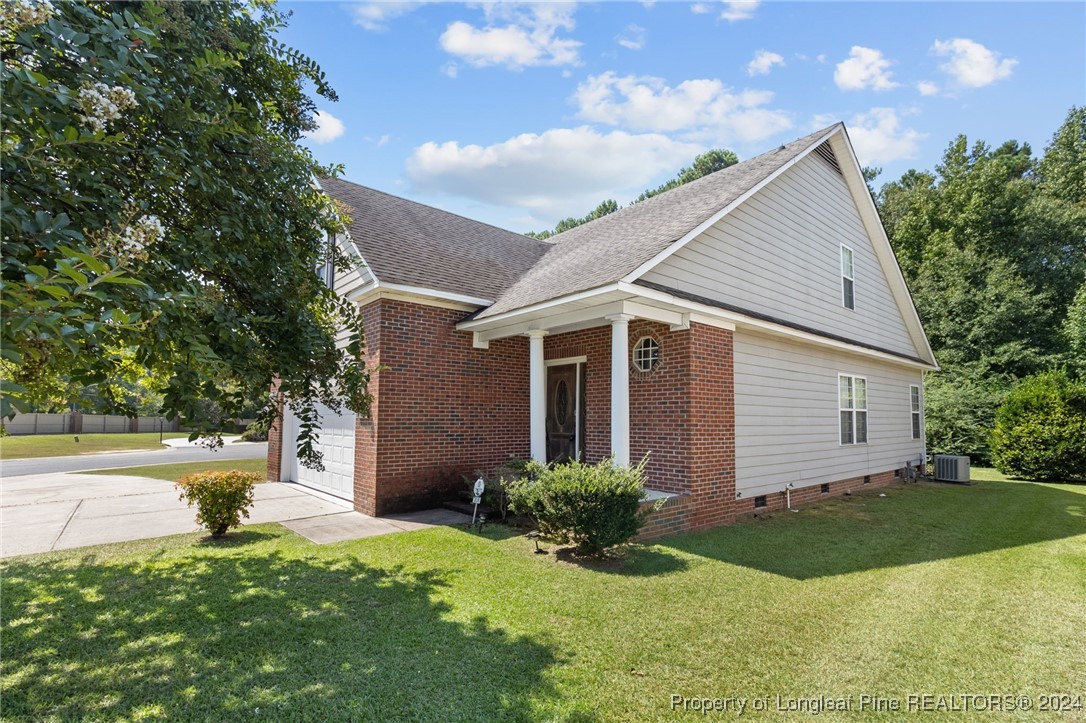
point(1040, 430)
point(256, 432)
point(592, 506)
point(221, 498)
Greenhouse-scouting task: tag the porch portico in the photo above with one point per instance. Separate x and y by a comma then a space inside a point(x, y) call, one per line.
point(600, 329)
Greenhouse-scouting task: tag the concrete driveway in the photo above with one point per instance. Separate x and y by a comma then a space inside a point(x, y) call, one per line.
point(53, 511)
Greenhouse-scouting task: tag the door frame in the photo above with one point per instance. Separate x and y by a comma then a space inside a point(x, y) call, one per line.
point(580, 363)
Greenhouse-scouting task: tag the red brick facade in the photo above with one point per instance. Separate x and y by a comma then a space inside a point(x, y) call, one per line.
point(443, 409)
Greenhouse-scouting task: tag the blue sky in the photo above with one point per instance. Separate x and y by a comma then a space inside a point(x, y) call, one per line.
point(520, 114)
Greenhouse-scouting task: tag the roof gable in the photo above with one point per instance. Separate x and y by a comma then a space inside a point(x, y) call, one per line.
point(615, 246)
point(408, 243)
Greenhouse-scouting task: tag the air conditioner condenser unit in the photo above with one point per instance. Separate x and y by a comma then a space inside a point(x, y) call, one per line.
point(949, 468)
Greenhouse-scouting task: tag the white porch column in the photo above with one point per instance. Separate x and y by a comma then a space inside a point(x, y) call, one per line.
point(537, 395)
point(620, 387)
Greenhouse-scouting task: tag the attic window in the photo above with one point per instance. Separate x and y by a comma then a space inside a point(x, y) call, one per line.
point(327, 270)
point(848, 279)
point(646, 354)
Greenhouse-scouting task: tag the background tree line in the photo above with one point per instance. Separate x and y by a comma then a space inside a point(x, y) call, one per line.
point(993, 246)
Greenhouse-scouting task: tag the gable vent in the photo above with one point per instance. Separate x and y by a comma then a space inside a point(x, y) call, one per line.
point(826, 154)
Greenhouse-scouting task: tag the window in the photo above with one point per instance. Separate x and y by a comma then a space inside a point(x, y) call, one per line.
point(646, 354)
point(327, 270)
point(853, 406)
point(848, 279)
point(825, 488)
point(914, 401)
point(759, 501)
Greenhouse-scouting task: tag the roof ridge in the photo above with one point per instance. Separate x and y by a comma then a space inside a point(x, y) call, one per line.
point(435, 208)
point(652, 200)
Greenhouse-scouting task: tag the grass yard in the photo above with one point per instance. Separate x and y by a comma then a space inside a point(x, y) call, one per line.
point(173, 472)
point(62, 445)
point(932, 589)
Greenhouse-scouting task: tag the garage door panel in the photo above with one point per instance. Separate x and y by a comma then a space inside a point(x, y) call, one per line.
point(335, 441)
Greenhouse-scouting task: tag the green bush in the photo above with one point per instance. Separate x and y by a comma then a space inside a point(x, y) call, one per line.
point(221, 498)
point(1040, 430)
point(592, 506)
point(256, 432)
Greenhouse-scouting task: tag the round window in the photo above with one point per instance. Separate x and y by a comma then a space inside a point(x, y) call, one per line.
point(646, 354)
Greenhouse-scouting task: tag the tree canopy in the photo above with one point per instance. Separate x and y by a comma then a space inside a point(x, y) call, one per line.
point(993, 245)
point(156, 202)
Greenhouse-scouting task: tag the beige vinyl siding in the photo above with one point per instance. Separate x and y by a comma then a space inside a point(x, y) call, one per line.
point(779, 253)
point(786, 415)
point(346, 282)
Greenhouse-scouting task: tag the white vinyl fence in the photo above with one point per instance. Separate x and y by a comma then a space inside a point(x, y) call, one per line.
point(36, 423)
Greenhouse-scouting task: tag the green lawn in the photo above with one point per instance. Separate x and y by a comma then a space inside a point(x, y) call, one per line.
point(932, 589)
point(60, 445)
point(172, 472)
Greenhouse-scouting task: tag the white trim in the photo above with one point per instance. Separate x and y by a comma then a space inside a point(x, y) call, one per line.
point(730, 320)
point(918, 412)
point(417, 291)
point(844, 277)
point(537, 396)
point(513, 313)
point(566, 360)
point(620, 387)
point(698, 230)
point(478, 342)
point(869, 216)
point(853, 409)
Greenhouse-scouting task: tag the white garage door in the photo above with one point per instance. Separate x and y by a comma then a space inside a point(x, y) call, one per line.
point(335, 441)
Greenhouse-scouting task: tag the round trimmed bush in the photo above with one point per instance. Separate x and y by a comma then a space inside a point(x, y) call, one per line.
point(595, 507)
point(221, 498)
point(1040, 430)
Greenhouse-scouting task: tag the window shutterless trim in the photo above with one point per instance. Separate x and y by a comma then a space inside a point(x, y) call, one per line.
point(916, 407)
point(852, 409)
point(848, 278)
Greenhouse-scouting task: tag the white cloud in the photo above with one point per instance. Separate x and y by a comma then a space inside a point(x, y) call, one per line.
point(375, 15)
point(865, 68)
point(557, 173)
point(632, 38)
point(763, 62)
point(450, 69)
point(739, 10)
point(328, 128)
point(703, 109)
point(971, 64)
point(383, 140)
point(878, 137)
point(926, 87)
point(701, 8)
point(515, 35)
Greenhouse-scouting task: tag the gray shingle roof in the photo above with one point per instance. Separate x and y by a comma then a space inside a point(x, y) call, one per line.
point(409, 243)
point(607, 249)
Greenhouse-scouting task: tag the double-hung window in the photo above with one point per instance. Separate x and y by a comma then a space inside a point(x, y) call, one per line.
point(853, 408)
point(914, 402)
point(848, 278)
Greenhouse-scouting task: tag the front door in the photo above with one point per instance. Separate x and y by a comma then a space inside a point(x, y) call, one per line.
point(565, 419)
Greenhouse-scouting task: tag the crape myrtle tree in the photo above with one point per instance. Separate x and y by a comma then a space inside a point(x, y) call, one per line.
point(156, 207)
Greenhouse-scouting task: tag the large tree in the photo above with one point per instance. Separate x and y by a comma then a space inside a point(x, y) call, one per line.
point(993, 244)
point(155, 199)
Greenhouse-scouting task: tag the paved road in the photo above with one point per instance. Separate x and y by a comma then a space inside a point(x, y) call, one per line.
point(112, 460)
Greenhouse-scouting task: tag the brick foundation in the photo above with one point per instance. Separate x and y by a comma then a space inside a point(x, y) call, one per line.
point(682, 514)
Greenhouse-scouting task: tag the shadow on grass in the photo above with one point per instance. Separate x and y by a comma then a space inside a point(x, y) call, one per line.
point(912, 524)
point(630, 561)
point(253, 633)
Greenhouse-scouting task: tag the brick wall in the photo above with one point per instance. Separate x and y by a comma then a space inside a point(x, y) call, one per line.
point(443, 408)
